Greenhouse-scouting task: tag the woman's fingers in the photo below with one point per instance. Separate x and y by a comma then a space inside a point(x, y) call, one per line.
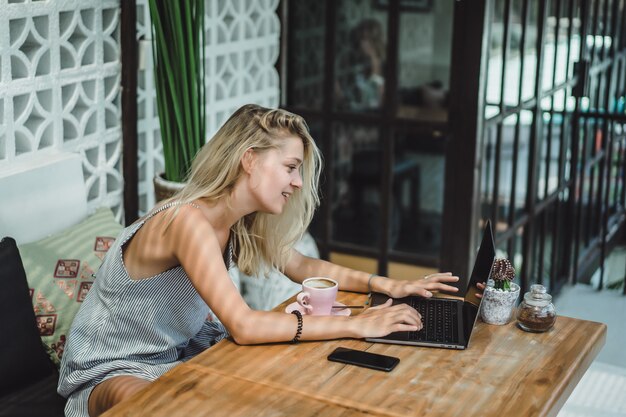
point(386, 304)
point(439, 282)
point(425, 289)
point(441, 277)
point(386, 318)
point(415, 320)
point(403, 313)
point(389, 308)
point(439, 286)
point(400, 327)
point(403, 318)
point(439, 274)
point(398, 312)
point(481, 286)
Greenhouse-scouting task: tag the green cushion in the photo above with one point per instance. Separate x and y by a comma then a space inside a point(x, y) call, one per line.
point(60, 271)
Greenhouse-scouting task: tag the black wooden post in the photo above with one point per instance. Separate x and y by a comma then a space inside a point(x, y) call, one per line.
point(128, 39)
point(462, 176)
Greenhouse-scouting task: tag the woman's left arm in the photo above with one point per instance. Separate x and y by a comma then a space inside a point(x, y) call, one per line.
point(301, 267)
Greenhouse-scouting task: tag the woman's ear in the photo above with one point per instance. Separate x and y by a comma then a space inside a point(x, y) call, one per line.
point(248, 160)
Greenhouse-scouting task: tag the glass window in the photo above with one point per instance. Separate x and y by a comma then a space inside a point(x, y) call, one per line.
point(306, 55)
point(617, 171)
point(574, 41)
point(511, 160)
point(424, 52)
point(530, 51)
point(505, 171)
point(549, 145)
point(549, 46)
point(360, 56)
point(417, 196)
point(494, 58)
point(514, 55)
point(562, 44)
point(488, 170)
point(523, 158)
point(514, 74)
point(355, 196)
point(542, 248)
point(511, 248)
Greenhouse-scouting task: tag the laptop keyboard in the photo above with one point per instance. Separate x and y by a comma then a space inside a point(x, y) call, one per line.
point(440, 321)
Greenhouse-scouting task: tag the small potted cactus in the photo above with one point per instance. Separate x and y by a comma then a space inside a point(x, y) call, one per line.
point(500, 295)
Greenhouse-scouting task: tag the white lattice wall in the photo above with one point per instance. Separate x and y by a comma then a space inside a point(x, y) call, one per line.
point(242, 47)
point(59, 88)
point(60, 83)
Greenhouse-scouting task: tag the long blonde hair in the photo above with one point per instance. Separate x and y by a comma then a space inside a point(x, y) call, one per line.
point(261, 240)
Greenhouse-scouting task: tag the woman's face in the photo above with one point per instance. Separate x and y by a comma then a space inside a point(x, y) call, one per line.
point(276, 175)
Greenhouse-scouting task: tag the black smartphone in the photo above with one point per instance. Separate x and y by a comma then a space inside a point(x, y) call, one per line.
point(364, 359)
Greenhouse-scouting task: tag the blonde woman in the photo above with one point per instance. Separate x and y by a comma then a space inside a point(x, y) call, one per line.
point(250, 196)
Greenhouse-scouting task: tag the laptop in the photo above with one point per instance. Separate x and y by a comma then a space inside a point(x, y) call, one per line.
point(448, 323)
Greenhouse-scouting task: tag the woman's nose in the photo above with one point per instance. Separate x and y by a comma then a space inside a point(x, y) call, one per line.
point(296, 181)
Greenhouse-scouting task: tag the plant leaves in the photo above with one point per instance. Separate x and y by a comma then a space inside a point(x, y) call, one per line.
point(179, 68)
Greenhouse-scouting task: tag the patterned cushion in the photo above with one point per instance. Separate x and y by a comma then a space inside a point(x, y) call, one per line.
point(60, 272)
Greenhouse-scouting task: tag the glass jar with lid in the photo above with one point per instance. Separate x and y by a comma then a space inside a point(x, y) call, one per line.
point(536, 313)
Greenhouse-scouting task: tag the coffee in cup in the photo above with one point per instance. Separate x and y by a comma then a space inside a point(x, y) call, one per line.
point(320, 283)
point(318, 295)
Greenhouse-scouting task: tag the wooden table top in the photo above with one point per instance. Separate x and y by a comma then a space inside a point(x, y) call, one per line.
point(504, 371)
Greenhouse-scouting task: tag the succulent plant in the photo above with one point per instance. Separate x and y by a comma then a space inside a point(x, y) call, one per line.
point(502, 274)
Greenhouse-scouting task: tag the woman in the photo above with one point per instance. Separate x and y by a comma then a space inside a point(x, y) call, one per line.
point(250, 196)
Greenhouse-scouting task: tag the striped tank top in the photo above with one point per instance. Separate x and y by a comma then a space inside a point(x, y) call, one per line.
point(133, 327)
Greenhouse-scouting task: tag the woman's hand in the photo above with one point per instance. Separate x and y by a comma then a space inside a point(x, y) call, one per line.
point(383, 319)
point(481, 286)
point(423, 287)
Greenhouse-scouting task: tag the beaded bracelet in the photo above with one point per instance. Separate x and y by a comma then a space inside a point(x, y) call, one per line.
point(299, 331)
point(369, 282)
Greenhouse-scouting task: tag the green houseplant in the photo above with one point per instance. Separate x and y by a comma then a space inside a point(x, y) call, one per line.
point(179, 63)
point(500, 294)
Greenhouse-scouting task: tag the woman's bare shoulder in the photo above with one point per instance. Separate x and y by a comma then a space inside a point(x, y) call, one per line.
point(188, 219)
point(191, 228)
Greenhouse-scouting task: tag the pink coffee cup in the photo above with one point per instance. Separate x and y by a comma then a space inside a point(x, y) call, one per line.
point(318, 295)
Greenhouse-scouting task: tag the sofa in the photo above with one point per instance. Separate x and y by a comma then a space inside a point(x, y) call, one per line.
point(44, 284)
point(29, 377)
point(41, 197)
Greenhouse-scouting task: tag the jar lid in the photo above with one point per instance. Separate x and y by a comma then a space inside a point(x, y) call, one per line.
point(537, 295)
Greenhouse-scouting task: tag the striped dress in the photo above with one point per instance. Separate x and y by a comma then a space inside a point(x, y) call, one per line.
point(133, 327)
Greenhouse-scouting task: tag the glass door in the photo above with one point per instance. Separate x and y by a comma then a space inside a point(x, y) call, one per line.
point(372, 78)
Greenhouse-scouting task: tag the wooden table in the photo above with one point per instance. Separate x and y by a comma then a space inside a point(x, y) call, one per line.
point(504, 371)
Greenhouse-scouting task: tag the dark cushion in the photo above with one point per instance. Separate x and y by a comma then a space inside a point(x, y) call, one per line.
point(39, 399)
point(23, 360)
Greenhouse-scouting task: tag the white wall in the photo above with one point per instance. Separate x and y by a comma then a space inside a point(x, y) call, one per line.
point(59, 89)
point(60, 83)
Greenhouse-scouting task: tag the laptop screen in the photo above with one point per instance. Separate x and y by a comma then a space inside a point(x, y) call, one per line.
point(480, 273)
point(482, 265)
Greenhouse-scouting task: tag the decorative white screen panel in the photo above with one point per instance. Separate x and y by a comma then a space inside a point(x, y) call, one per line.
point(60, 88)
point(242, 47)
